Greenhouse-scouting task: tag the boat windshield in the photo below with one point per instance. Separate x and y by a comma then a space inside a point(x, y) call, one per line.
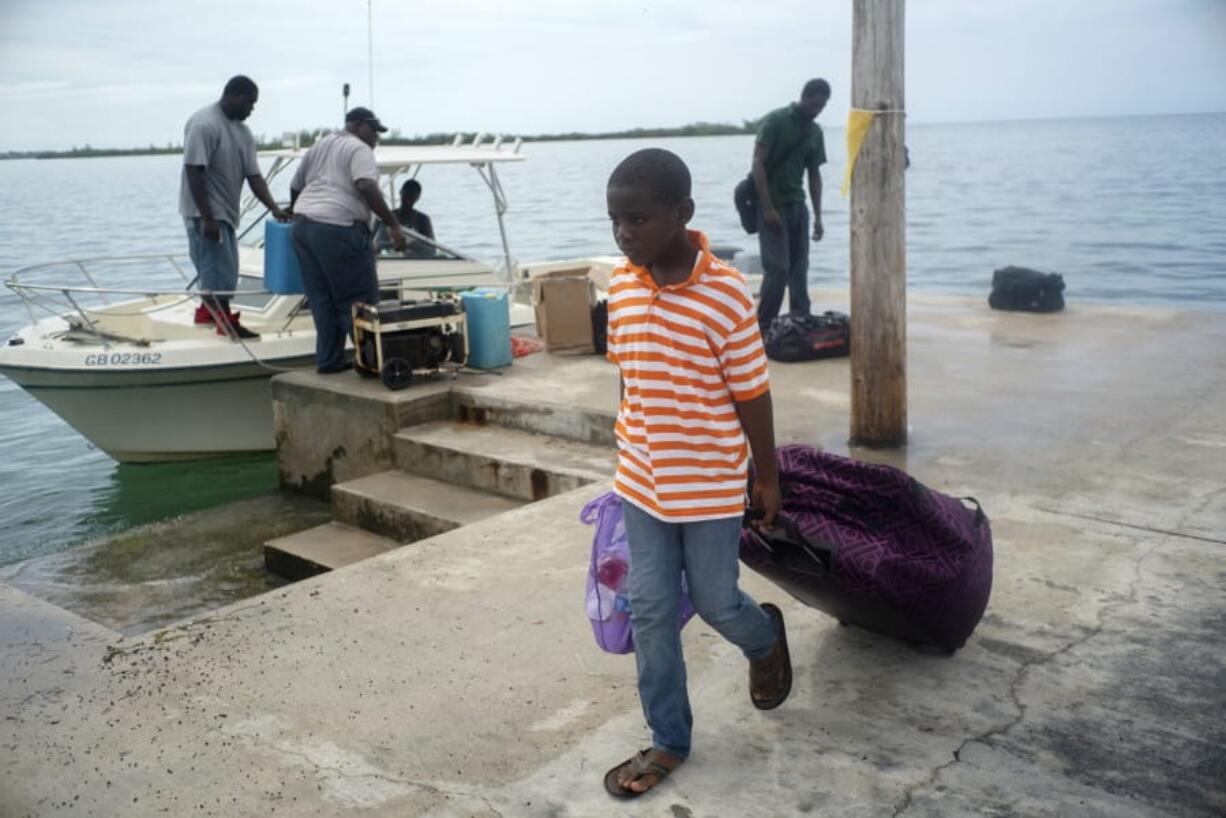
point(251, 294)
point(418, 247)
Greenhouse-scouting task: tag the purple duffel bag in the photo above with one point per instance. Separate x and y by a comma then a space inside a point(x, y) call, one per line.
point(872, 547)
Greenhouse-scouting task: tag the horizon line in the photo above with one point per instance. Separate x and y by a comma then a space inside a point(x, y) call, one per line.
point(557, 136)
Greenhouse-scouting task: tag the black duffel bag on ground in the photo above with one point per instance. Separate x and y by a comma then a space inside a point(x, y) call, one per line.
point(1025, 290)
point(792, 337)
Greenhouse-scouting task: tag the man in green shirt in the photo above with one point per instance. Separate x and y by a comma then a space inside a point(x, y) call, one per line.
point(789, 143)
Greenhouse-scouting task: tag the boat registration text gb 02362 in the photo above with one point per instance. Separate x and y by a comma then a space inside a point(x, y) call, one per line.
point(124, 359)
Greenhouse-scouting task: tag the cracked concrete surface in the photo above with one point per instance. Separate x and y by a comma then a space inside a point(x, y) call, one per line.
point(457, 676)
point(1014, 687)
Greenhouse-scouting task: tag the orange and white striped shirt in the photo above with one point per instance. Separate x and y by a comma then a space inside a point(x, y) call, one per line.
point(687, 354)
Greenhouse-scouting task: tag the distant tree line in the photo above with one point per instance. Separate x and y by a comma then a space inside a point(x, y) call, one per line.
point(307, 137)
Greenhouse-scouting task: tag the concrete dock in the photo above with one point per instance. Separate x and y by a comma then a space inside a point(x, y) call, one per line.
point(457, 675)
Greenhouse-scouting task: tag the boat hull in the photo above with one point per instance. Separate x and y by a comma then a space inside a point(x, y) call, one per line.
point(141, 416)
point(143, 382)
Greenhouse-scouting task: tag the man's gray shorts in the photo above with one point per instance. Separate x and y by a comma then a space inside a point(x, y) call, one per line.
point(216, 262)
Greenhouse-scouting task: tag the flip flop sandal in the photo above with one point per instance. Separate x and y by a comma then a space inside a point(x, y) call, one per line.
point(641, 767)
point(785, 659)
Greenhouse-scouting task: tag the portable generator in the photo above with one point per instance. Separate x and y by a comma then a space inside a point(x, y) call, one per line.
point(394, 340)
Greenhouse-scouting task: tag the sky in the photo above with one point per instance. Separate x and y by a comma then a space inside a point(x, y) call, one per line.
point(127, 73)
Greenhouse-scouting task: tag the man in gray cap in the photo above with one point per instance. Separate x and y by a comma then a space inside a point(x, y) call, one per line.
point(332, 195)
point(218, 154)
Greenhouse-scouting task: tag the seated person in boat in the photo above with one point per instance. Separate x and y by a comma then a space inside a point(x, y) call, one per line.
point(408, 216)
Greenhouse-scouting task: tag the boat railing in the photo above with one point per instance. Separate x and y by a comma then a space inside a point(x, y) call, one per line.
point(71, 289)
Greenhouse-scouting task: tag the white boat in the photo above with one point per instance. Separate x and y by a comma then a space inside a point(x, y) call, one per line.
point(130, 370)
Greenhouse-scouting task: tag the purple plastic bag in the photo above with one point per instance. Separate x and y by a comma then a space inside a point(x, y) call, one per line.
point(608, 577)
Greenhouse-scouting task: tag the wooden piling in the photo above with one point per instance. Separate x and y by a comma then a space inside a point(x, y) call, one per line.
point(878, 230)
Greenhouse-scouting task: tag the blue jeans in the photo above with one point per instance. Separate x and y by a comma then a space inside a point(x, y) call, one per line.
point(785, 262)
point(338, 270)
point(216, 262)
point(707, 552)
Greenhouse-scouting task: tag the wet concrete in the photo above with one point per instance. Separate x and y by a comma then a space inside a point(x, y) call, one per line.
point(458, 677)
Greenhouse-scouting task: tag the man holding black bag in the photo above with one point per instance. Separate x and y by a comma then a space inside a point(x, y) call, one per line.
point(789, 142)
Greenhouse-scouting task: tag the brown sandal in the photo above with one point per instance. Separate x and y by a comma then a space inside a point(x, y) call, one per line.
point(642, 766)
point(770, 678)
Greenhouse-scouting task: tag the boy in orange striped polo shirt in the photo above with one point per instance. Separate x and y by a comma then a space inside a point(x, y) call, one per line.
point(684, 335)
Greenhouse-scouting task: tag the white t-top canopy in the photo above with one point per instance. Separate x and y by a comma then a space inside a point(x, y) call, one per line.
point(393, 158)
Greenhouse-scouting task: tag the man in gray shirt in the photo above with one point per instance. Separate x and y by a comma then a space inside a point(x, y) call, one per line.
point(218, 154)
point(332, 195)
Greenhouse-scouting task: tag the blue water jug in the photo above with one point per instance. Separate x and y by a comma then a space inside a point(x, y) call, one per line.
point(281, 272)
point(488, 316)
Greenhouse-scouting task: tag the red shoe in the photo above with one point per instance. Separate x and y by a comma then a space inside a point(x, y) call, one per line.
point(203, 316)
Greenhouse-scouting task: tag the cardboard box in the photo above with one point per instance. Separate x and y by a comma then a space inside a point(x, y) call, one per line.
point(563, 300)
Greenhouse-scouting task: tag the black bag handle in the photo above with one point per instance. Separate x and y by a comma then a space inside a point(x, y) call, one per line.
point(785, 530)
point(980, 517)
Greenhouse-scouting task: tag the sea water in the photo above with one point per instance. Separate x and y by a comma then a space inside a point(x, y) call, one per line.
point(1129, 210)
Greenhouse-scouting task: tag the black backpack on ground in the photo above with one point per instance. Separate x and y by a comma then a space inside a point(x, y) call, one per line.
point(1019, 288)
point(792, 337)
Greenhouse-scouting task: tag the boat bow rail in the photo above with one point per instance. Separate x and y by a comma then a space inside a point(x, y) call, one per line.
point(72, 291)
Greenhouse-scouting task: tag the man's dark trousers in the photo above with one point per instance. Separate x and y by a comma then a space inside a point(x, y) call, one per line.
point(785, 262)
point(338, 269)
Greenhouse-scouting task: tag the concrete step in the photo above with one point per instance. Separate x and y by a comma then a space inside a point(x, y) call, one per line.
point(407, 507)
point(530, 412)
point(507, 461)
point(322, 548)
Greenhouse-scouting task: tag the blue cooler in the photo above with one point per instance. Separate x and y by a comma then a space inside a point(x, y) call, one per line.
point(281, 272)
point(488, 315)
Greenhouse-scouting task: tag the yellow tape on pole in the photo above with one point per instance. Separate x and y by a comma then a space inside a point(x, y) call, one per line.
point(858, 123)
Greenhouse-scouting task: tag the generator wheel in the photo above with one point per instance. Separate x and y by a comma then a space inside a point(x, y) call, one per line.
point(396, 373)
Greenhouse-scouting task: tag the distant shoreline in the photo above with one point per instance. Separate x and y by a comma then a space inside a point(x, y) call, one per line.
point(307, 138)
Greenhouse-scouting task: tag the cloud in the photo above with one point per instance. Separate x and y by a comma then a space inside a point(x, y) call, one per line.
point(128, 72)
point(135, 93)
point(17, 91)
